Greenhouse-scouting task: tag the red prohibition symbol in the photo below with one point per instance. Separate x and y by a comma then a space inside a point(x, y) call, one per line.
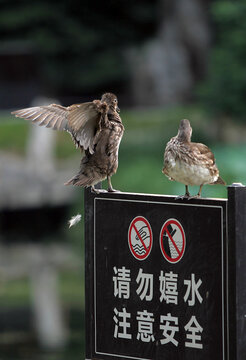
point(172, 241)
point(140, 238)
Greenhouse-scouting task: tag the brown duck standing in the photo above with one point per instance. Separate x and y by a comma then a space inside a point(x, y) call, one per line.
point(95, 127)
point(188, 162)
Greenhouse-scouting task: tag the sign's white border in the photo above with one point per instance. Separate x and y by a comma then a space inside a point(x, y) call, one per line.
point(222, 270)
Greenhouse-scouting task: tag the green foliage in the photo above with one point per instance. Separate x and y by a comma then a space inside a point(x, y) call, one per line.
point(14, 293)
point(13, 136)
point(78, 43)
point(225, 89)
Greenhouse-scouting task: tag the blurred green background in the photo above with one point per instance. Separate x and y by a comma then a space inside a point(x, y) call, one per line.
point(165, 60)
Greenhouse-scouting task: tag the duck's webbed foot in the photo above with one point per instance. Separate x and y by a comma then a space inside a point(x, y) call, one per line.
point(198, 194)
point(186, 196)
point(183, 197)
point(195, 196)
point(94, 190)
point(110, 187)
point(97, 191)
point(112, 190)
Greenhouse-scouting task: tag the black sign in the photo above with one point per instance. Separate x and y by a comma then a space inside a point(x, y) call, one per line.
point(156, 283)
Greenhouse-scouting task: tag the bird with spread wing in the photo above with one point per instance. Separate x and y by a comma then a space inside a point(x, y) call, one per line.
point(96, 128)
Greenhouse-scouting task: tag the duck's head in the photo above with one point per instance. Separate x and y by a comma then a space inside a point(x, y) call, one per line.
point(111, 100)
point(185, 130)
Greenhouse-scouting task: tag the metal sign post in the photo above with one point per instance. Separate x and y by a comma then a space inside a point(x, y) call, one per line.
point(237, 271)
point(163, 278)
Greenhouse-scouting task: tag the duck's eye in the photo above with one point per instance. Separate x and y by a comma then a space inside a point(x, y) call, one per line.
point(115, 100)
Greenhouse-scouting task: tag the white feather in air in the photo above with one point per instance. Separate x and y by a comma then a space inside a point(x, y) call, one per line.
point(74, 220)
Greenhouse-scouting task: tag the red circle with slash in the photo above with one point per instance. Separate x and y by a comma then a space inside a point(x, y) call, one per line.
point(172, 241)
point(140, 238)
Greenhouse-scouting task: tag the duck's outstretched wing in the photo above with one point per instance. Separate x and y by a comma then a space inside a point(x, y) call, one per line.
point(82, 121)
point(52, 116)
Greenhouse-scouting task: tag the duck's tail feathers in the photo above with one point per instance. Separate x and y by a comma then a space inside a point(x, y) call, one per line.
point(80, 180)
point(220, 181)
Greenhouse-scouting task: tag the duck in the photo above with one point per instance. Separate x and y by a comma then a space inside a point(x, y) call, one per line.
point(96, 129)
point(190, 163)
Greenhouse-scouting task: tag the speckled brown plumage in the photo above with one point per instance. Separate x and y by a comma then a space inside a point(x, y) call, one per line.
point(96, 129)
point(190, 163)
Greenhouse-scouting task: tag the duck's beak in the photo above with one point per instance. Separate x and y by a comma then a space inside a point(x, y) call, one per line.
point(118, 109)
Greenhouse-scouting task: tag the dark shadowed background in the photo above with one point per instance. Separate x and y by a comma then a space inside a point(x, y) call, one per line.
point(165, 60)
